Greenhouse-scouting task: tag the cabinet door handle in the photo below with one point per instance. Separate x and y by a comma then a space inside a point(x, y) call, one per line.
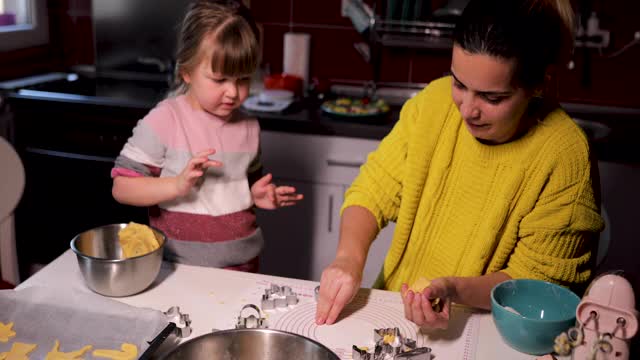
point(330, 227)
point(345, 163)
point(68, 155)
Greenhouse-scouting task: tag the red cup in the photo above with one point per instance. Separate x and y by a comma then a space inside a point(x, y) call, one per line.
point(284, 82)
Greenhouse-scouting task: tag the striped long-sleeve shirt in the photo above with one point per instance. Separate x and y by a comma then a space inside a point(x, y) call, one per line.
point(214, 225)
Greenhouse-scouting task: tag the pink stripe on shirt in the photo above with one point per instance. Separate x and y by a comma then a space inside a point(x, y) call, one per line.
point(204, 228)
point(124, 172)
point(183, 128)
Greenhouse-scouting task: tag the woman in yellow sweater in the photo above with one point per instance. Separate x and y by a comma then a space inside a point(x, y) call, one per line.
point(485, 176)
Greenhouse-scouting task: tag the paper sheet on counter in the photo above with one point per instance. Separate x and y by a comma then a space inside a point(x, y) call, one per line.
point(369, 310)
point(42, 315)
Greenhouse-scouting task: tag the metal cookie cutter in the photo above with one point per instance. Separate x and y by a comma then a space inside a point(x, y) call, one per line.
point(422, 353)
point(390, 344)
point(358, 353)
point(388, 341)
point(278, 297)
point(179, 325)
point(251, 321)
point(182, 321)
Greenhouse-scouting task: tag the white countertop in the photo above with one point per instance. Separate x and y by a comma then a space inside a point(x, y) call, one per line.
point(213, 299)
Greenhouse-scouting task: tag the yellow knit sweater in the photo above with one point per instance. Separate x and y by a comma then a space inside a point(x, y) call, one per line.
point(465, 209)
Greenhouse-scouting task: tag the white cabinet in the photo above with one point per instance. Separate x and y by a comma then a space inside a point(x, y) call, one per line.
point(300, 241)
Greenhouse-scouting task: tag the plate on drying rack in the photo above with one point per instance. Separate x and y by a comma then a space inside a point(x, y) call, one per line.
point(345, 108)
point(270, 100)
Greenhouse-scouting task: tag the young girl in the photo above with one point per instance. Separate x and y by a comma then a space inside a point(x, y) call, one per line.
point(195, 155)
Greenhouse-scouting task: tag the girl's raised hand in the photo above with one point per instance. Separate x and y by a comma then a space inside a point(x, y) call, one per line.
point(266, 195)
point(194, 170)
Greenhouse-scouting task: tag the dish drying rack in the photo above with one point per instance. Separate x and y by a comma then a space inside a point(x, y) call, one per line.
point(399, 33)
point(380, 33)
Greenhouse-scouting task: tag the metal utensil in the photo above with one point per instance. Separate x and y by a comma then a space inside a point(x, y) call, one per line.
point(251, 344)
point(179, 325)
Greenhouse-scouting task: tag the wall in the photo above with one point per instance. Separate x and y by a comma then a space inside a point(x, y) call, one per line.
point(598, 80)
point(70, 42)
point(333, 55)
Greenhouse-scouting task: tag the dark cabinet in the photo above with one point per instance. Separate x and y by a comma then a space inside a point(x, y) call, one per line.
point(68, 152)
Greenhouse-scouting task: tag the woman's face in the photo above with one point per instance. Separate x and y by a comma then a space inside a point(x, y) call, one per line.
point(483, 89)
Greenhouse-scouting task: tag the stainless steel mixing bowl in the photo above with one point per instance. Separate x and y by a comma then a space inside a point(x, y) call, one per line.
point(104, 268)
point(251, 344)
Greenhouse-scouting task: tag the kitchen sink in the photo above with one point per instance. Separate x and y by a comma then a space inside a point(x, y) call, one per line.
point(146, 91)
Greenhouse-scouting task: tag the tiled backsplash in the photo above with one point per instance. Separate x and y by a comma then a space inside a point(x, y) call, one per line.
point(333, 56)
point(597, 80)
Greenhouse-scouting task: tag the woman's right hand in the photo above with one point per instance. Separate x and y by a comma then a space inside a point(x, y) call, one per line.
point(194, 170)
point(339, 284)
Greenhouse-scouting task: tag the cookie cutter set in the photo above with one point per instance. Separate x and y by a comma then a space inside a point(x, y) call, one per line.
point(391, 345)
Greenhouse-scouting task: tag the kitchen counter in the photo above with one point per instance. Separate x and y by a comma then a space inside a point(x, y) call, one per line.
point(612, 130)
point(133, 99)
point(213, 298)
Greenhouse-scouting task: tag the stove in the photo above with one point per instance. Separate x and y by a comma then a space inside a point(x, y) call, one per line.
point(122, 90)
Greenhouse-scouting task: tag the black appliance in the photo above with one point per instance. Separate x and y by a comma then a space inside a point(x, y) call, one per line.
point(68, 133)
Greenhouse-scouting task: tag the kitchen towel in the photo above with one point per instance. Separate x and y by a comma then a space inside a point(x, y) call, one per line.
point(296, 55)
point(41, 315)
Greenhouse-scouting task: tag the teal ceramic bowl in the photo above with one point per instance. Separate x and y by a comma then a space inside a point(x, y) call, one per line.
point(529, 314)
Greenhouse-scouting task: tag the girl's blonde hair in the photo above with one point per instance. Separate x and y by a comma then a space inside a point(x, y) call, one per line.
point(234, 49)
point(535, 33)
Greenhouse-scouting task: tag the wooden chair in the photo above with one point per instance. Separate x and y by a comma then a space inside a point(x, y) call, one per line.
point(12, 179)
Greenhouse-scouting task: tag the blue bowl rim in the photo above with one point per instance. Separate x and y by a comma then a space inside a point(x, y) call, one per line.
point(83, 255)
point(517, 315)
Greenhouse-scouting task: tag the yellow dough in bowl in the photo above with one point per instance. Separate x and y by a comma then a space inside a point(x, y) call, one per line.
point(137, 239)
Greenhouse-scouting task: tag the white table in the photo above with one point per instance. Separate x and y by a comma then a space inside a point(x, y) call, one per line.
point(213, 298)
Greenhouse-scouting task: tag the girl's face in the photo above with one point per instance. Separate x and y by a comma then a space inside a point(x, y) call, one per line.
point(213, 92)
point(490, 105)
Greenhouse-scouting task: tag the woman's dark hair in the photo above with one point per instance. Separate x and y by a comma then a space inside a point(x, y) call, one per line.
point(535, 33)
point(233, 48)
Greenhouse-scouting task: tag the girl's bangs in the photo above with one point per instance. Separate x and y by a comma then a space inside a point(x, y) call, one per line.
point(236, 52)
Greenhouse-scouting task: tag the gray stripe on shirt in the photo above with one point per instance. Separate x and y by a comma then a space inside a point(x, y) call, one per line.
point(124, 162)
point(217, 254)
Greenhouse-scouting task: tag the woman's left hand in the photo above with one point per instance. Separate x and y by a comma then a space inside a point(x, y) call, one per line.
point(417, 305)
point(266, 195)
